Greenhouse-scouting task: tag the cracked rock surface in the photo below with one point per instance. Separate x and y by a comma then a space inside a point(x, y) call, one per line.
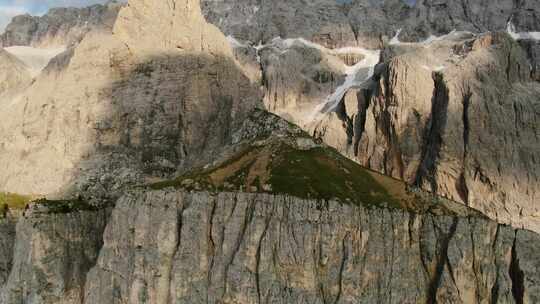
point(170, 246)
point(364, 22)
point(458, 118)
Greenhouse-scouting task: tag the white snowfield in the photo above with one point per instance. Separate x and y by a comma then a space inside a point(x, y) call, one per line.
point(35, 59)
point(511, 29)
point(356, 75)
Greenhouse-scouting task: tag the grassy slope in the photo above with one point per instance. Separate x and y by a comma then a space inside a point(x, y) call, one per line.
point(318, 173)
point(14, 201)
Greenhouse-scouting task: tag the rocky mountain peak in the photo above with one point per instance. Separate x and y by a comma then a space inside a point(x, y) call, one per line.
point(59, 27)
point(169, 25)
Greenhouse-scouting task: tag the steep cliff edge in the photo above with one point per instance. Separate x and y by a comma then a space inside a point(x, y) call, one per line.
point(233, 232)
point(172, 246)
point(122, 108)
point(457, 117)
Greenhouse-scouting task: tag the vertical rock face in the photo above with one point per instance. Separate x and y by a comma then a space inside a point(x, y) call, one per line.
point(338, 23)
point(464, 127)
point(321, 20)
point(59, 26)
point(7, 240)
point(51, 255)
point(160, 93)
point(14, 75)
point(175, 247)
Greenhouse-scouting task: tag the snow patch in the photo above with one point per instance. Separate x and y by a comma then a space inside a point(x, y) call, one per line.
point(429, 40)
point(35, 59)
point(356, 76)
point(395, 39)
point(434, 68)
point(511, 30)
point(235, 43)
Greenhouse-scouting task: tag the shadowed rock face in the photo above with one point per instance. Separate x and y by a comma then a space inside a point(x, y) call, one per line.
point(59, 26)
point(172, 246)
point(144, 102)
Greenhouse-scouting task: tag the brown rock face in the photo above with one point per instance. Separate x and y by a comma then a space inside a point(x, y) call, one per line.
point(160, 93)
point(458, 118)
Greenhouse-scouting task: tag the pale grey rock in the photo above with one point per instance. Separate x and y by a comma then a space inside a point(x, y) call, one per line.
point(366, 22)
point(59, 26)
point(458, 118)
point(176, 247)
point(14, 75)
point(52, 254)
point(322, 21)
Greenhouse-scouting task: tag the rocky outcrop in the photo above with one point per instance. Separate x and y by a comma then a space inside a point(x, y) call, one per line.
point(457, 118)
point(139, 104)
point(59, 26)
point(7, 240)
point(170, 246)
point(532, 48)
point(51, 255)
point(366, 23)
point(14, 75)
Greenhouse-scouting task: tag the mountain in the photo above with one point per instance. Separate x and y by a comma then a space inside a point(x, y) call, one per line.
point(122, 108)
point(59, 26)
point(157, 159)
point(365, 22)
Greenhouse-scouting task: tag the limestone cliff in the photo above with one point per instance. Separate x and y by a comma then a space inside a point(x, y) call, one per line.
point(14, 75)
point(141, 103)
point(59, 26)
point(457, 118)
point(364, 22)
point(169, 246)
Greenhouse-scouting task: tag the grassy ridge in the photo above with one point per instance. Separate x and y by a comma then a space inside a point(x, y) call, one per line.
point(13, 200)
point(279, 168)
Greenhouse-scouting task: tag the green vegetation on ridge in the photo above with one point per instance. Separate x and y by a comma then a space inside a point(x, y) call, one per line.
point(13, 200)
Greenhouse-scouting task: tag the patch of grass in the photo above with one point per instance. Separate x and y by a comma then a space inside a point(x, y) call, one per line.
point(318, 173)
point(321, 173)
point(14, 201)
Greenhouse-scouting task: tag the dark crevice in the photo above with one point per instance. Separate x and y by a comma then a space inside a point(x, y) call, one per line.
point(364, 98)
point(442, 260)
point(248, 217)
point(466, 125)
point(258, 259)
point(212, 245)
point(516, 276)
point(433, 134)
point(344, 259)
point(495, 287)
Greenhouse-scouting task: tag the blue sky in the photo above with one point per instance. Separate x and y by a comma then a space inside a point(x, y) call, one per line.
point(10, 8)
